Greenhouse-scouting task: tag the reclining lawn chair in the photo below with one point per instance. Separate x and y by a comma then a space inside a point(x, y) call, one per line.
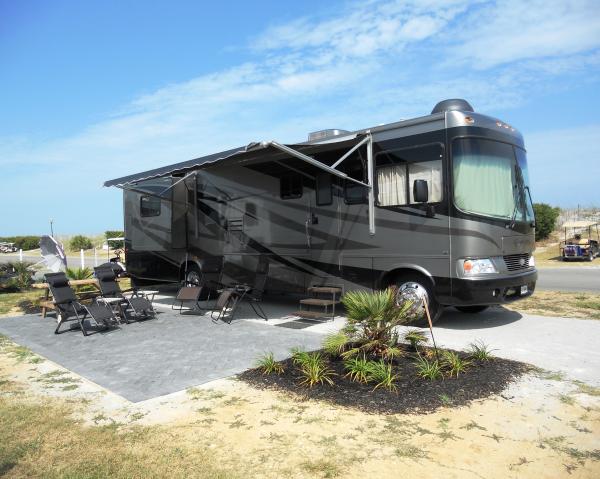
point(139, 304)
point(69, 308)
point(232, 296)
point(210, 280)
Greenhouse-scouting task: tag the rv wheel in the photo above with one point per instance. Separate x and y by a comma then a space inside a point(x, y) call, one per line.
point(193, 275)
point(416, 289)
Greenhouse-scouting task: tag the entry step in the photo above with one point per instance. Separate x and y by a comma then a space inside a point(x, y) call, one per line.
point(318, 302)
point(312, 314)
point(324, 289)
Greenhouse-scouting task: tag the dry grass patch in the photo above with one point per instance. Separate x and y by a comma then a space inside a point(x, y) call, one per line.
point(555, 303)
point(12, 304)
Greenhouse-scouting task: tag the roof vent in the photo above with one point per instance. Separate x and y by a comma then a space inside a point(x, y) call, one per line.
point(324, 134)
point(454, 104)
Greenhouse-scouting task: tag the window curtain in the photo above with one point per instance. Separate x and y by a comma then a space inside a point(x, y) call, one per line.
point(391, 184)
point(484, 184)
point(430, 171)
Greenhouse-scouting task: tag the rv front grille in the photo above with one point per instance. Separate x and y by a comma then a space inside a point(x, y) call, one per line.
point(515, 262)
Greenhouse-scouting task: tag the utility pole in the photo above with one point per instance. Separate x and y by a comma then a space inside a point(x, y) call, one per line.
point(51, 228)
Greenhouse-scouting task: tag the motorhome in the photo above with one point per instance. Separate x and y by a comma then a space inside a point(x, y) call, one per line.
point(437, 205)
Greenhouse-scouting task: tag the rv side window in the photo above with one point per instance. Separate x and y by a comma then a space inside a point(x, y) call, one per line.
point(324, 189)
point(430, 171)
point(290, 186)
point(149, 206)
point(391, 185)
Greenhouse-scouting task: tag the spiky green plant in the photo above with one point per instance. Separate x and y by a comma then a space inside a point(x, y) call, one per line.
point(299, 356)
point(335, 344)
point(357, 369)
point(80, 273)
point(22, 278)
point(427, 369)
point(382, 374)
point(372, 319)
point(453, 363)
point(313, 368)
point(479, 351)
point(266, 362)
point(416, 337)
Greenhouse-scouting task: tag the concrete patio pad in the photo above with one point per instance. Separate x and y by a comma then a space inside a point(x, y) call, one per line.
point(152, 358)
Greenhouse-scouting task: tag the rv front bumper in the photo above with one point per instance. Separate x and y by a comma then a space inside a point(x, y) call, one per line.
point(497, 290)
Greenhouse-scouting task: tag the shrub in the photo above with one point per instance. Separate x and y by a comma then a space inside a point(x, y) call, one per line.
point(382, 374)
point(80, 273)
point(454, 363)
point(480, 351)
point(268, 365)
point(427, 369)
point(115, 234)
point(545, 220)
point(334, 344)
point(20, 276)
point(372, 319)
point(78, 242)
point(23, 242)
point(357, 369)
point(314, 370)
point(415, 338)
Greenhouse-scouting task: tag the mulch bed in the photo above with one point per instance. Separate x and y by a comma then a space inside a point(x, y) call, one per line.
point(414, 395)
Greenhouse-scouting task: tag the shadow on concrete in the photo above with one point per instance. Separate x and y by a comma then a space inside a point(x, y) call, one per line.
point(493, 317)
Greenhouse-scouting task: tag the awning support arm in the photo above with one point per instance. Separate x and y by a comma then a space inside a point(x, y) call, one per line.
point(349, 152)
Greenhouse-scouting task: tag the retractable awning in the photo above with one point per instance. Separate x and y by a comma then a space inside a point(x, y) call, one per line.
point(267, 151)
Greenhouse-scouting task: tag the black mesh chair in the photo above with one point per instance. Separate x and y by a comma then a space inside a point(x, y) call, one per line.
point(137, 303)
point(231, 297)
point(68, 307)
point(211, 274)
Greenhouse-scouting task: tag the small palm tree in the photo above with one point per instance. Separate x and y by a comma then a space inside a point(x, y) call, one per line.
point(80, 273)
point(372, 320)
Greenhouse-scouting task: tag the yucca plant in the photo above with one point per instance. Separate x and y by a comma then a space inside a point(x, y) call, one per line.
point(415, 338)
point(453, 363)
point(372, 319)
point(313, 368)
point(22, 274)
point(357, 369)
point(427, 369)
point(480, 351)
point(382, 374)
point(335, 344)
point(268, 365)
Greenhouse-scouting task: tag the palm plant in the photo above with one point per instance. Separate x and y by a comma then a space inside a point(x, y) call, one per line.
point(22, 274)
point(268, 365)
point(334, 344)
point(415, 338)
point(372, 319)
point(381, 373)
point(314, 370)
point(80, 273)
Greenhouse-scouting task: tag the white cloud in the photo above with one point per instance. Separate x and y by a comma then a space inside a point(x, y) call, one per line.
point(512, 30)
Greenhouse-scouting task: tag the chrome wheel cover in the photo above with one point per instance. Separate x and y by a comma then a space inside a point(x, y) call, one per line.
point(414, 292)
point(193, 277)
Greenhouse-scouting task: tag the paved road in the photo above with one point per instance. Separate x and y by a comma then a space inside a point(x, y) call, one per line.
point(570, 278)
point(72, 261)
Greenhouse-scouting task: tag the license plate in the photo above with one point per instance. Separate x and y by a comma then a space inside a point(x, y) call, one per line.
point(524, 290)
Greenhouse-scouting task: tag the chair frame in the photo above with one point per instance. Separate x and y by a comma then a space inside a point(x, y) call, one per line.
point(210, 276)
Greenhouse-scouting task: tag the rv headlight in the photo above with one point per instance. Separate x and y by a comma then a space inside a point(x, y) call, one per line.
point(472, 267)
point(531, 262)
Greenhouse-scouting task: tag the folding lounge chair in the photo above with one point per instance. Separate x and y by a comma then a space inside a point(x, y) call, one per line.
point(232, 296)
point(210, 280)
point(109, 288)
point(69, 308)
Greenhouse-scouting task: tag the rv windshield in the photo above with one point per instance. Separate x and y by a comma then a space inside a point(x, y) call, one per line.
point(491, 179)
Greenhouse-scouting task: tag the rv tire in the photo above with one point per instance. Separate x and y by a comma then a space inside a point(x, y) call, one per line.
point(415, 287)
point(192, 275)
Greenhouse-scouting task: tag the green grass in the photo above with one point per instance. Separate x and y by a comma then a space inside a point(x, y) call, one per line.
point(10, 301)
point(40, 440)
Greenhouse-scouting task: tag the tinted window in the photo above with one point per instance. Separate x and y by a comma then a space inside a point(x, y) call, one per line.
point(291, 186)
point(324, 189)
point(149, 206)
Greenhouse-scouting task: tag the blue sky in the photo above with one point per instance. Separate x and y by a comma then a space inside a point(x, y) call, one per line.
point(90, 91)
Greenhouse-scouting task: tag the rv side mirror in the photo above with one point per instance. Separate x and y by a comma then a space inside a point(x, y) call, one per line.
point(420, 191)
